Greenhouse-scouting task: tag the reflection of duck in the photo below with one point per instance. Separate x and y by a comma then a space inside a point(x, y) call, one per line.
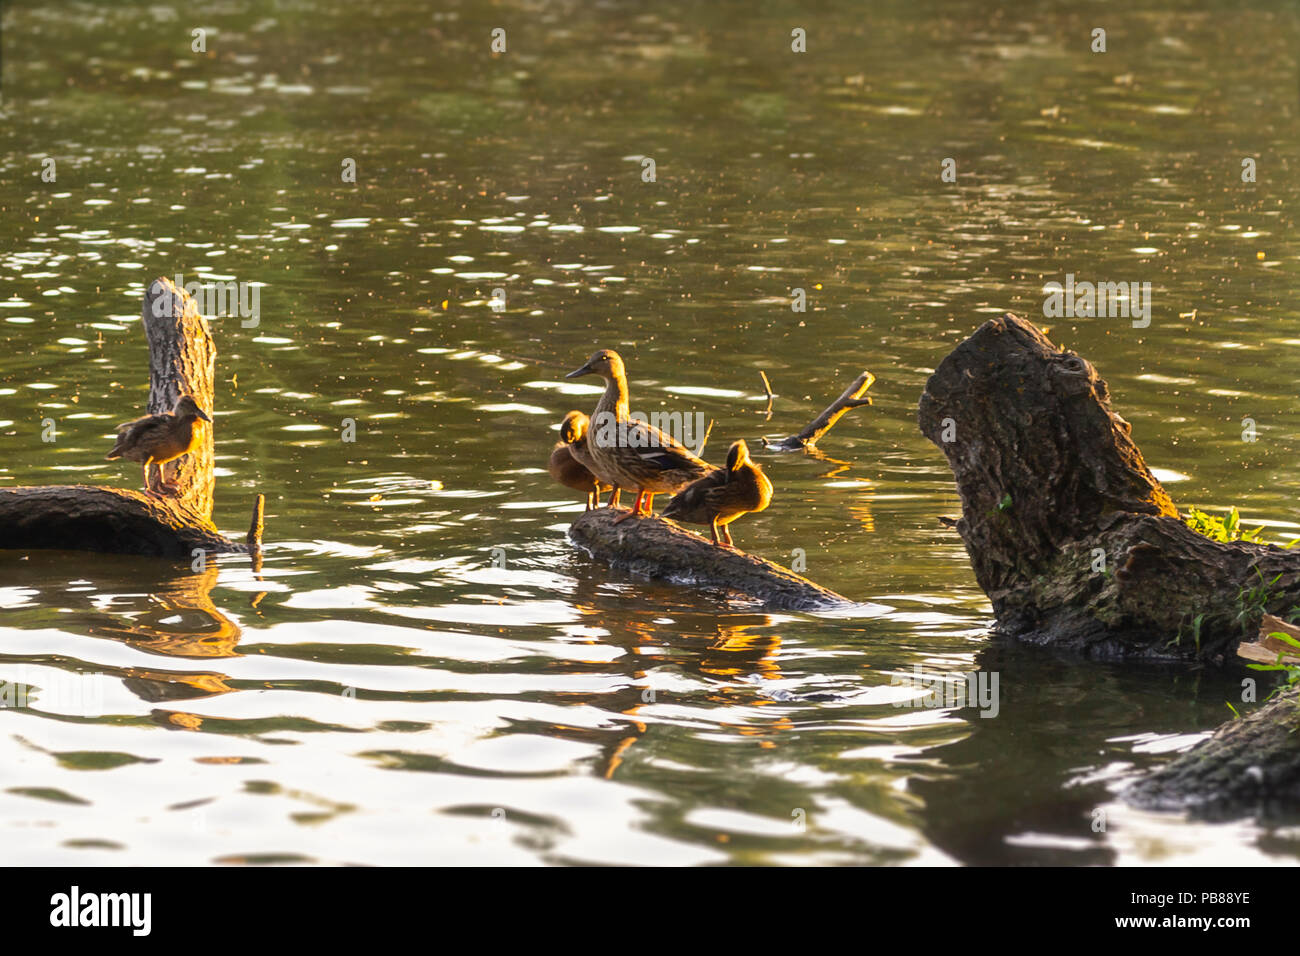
point(721, 653)
point(720, 498)
point(570, 462)
point(157, 439)
point(631, 453)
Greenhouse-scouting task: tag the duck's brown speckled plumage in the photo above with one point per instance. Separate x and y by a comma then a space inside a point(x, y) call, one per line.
point(570, 462)
point(630, 453)
point(723, 496)
point(157, 439)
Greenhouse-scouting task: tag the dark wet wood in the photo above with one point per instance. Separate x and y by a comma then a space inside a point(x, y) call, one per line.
point(182, 360)
point(656, 548)
point(1052, 487)
point(1249, 767)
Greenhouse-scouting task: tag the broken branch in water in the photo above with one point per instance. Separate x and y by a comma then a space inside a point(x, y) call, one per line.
point(767, 387)
point(1074, 540)
point(699, 451)
point(851, 397)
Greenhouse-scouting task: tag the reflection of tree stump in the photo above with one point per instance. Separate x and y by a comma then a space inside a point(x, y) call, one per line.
point(1069, 534)
point(657, 548)
point(81, 517)
point(158, 606)
point(180, 621)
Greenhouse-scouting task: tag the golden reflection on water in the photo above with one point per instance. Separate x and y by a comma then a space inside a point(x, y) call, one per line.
point(378, 307)
point(179, 620)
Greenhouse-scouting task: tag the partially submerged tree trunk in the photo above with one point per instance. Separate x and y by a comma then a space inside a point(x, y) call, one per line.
point(115, 520)
point(1249, 766)
point(93, 518)
point(658, 548)
point(1070, 535)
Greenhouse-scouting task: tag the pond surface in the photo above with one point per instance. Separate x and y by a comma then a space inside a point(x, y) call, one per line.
point(390, 690)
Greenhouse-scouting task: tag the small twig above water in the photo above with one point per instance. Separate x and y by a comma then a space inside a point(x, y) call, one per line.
point(699, 451)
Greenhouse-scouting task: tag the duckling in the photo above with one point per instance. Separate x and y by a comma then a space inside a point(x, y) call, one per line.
point(630, 453)
point(569, 465)
point(157, 439)
point(722, 497)
point(573, 432)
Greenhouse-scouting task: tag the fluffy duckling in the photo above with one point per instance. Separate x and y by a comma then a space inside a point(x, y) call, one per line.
point(574, 431)
point(722, 497)
point(570, 461)
point(630, 453)
point(158, 439)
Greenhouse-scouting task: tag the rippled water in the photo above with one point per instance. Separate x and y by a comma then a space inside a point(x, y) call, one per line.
point(383, 692)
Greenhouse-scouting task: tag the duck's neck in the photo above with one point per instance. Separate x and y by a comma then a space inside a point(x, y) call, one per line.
point(614, 401)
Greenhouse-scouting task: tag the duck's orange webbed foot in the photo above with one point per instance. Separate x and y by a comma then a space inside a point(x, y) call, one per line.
point(636, 509)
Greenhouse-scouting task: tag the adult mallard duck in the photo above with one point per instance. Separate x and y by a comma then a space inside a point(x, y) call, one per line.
point(157, 439)
point(570, 462)
point(631, 453)
point(722, 497)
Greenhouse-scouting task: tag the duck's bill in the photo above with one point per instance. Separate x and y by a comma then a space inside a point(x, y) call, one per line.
point(578, 372)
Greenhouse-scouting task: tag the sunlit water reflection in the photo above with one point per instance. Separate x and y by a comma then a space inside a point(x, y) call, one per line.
point(424, 670)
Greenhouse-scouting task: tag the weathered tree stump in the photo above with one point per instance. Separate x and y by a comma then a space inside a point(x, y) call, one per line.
point(658, 548)
point(1070, 535)
point(182, 361)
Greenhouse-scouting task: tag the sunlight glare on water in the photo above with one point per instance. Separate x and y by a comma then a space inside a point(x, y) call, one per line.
point(425, 670)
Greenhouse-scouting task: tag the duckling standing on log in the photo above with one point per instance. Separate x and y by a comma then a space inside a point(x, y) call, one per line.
point(723, 496)
point(578, 428)
point(157, 439)
point(631, 453)
point(570, 462)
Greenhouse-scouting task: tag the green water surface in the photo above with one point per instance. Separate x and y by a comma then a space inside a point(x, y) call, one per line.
point(385, 692)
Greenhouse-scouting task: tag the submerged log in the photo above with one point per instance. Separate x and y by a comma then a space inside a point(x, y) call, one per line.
point(114, 520)
point(658, 548)
point(1249, 766)
point(182, 361)
point(1069, 534)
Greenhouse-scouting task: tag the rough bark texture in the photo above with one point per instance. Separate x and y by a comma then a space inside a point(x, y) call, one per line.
point(91, 518)
point(182, 361)
point(658, 548)
point(1249, 766)
point(1074, 541)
